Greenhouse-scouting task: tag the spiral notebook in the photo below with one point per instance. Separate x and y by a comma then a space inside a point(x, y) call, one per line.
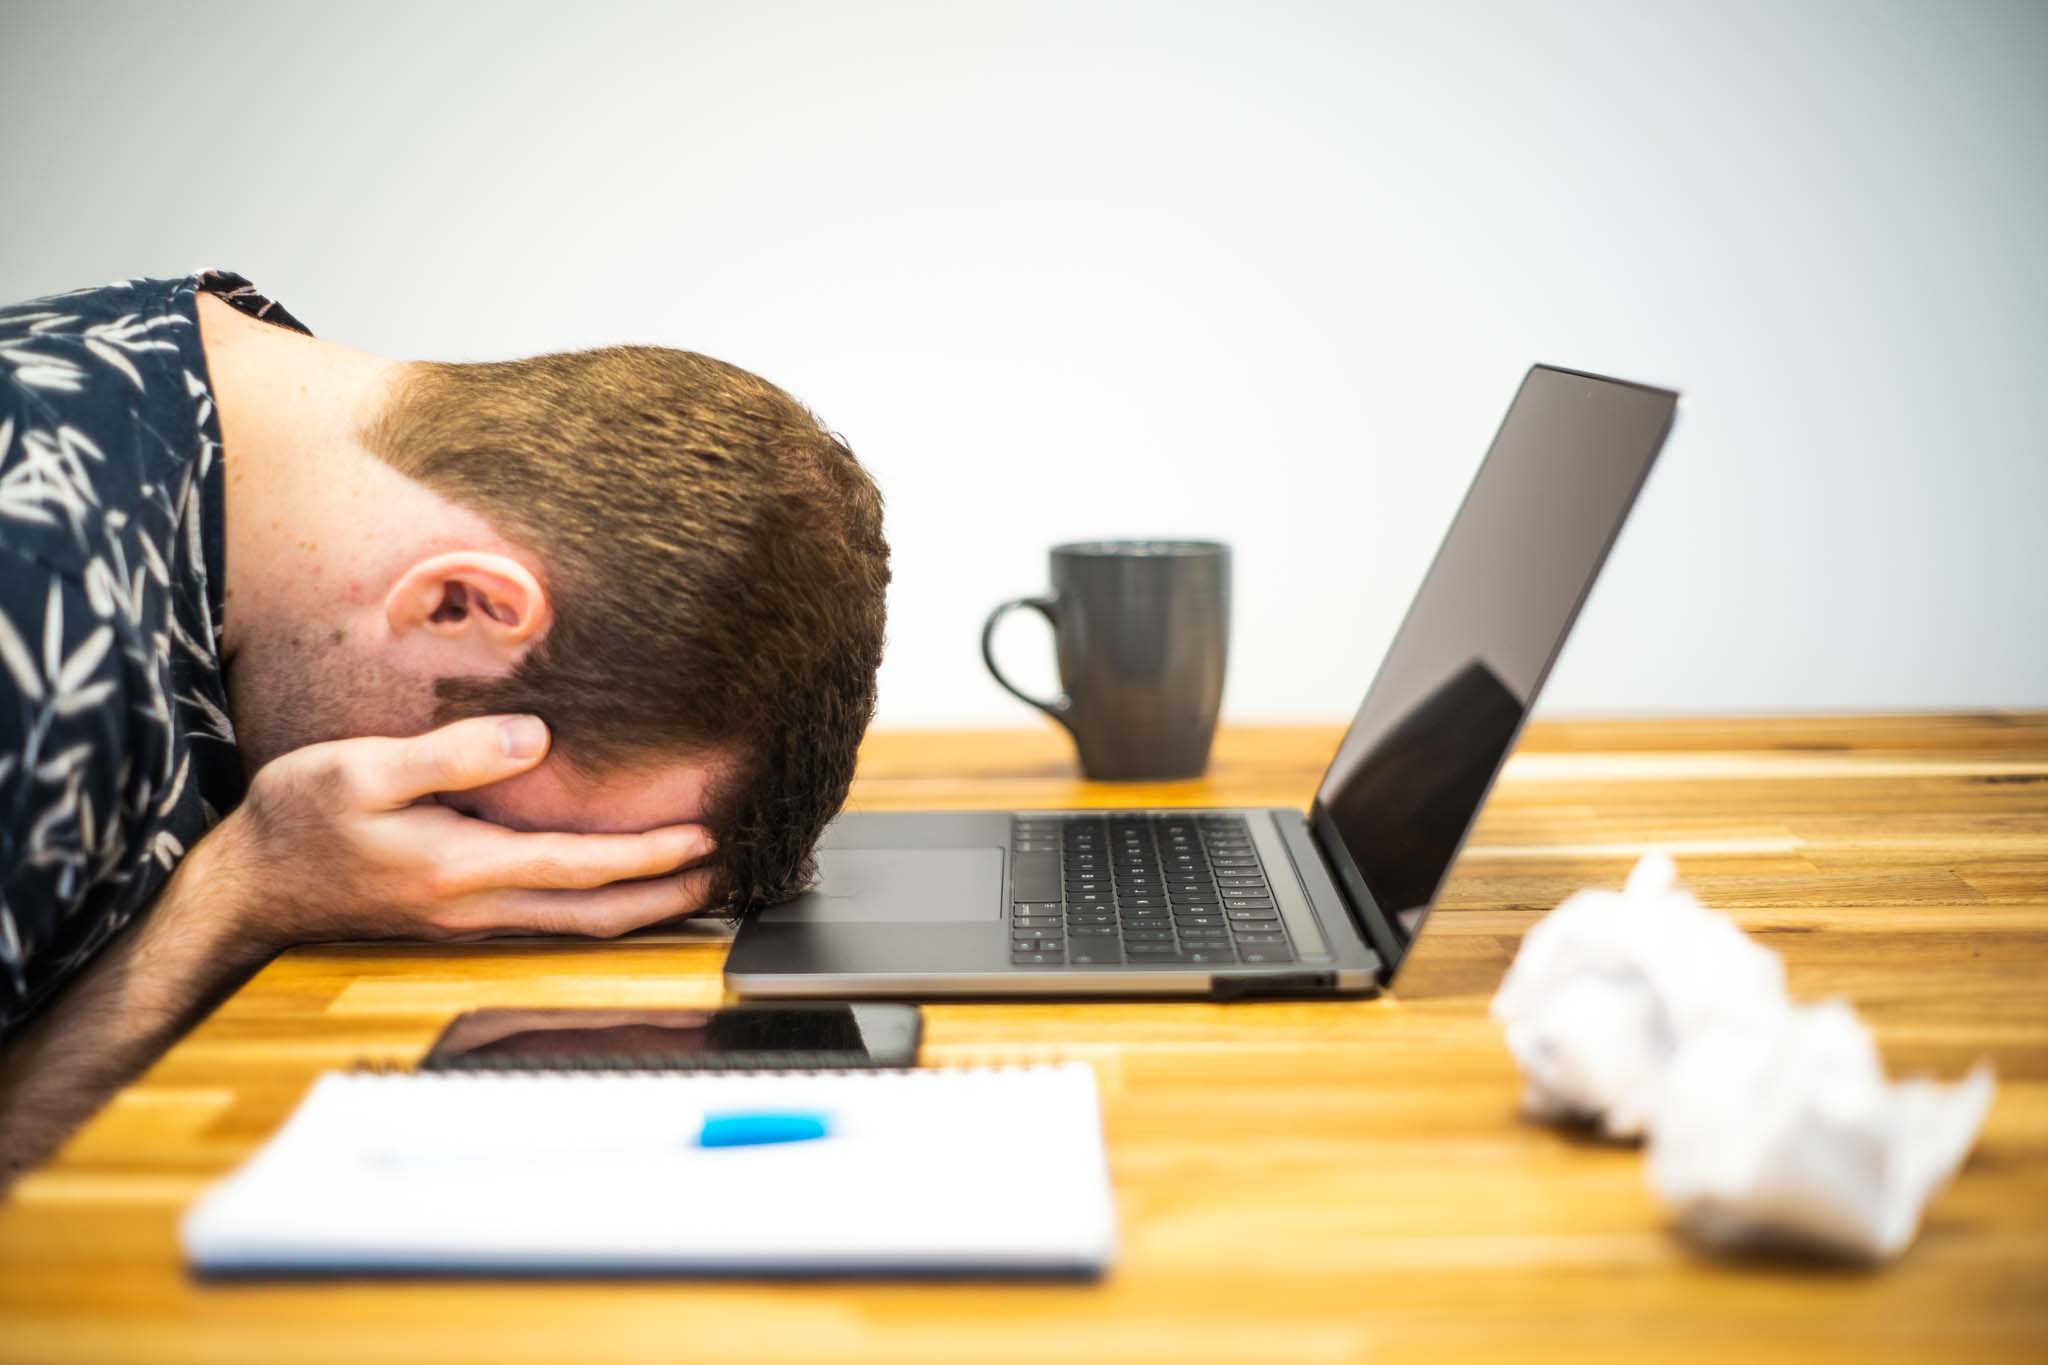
point(926, 1172)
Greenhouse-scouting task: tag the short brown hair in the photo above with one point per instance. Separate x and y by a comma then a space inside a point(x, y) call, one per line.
point(717, 567)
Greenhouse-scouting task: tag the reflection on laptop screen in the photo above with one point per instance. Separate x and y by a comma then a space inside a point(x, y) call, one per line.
point(1488, 621)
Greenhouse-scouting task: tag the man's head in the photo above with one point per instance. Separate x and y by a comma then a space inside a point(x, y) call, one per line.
point(666, 558)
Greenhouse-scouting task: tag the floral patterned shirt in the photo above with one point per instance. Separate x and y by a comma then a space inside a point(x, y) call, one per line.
point(116, 752)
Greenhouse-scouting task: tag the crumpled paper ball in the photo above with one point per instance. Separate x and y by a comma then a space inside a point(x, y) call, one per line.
point(1793, 1135)
point(1767, 1121)
point(1607, 986)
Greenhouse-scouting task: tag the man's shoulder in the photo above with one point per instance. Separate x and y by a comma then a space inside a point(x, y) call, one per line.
point(110, 323)
point(100, 398)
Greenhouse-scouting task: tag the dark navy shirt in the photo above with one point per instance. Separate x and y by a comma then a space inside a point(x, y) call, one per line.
point(116, 752)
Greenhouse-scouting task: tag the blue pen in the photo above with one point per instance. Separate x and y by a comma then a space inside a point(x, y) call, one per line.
point(760, 1128)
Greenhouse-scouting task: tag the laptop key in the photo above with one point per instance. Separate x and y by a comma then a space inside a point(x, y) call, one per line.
point(1093, 931)
point(1209, 954)
point(1265, 952)
point(1260, 933)
point(1034, 921)
point(1148, 936)
point(1093, 956)
point(1038, 959)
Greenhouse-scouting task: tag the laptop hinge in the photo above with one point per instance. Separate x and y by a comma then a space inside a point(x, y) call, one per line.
point(1351, 891)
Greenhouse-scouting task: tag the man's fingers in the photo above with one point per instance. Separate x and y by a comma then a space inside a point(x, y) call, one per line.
point(603, 913)
point(490, 858)
point(469, 753)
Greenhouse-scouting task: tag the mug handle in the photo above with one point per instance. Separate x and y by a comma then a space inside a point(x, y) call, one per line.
point(1059, 708)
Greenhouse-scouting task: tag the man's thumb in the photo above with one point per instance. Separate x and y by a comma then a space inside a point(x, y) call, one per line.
point(458, 757)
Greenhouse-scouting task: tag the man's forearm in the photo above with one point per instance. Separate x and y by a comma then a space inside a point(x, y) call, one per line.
point(146, 988)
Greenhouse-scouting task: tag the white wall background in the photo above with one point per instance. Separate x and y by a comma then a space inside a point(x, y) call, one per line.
point(1263, 271)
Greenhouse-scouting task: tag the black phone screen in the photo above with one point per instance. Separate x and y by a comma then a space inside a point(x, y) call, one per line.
point(883, 1035)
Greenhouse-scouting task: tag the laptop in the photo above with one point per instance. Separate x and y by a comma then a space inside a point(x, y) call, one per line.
point(1231, 903)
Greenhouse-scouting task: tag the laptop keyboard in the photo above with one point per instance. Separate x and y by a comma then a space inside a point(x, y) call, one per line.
point(1132, 889)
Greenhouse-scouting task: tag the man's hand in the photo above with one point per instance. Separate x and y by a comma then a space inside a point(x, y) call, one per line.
point(341, 840)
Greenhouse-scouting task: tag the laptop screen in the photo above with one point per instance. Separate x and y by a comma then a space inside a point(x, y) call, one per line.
point(1480, 637)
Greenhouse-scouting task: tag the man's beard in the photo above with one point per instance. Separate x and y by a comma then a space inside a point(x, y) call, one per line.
point(306, 687)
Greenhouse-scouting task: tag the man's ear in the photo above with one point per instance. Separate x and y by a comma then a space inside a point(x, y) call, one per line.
point(487, 608)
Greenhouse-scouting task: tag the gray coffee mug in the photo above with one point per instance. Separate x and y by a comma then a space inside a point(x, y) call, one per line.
point(1143, 632)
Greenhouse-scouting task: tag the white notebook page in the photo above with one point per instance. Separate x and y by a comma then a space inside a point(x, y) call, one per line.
point(925, 1171)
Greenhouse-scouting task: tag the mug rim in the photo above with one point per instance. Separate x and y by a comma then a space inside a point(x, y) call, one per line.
point(1161, 547)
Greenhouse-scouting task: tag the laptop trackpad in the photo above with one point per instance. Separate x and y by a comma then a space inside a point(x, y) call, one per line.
point(898, 886)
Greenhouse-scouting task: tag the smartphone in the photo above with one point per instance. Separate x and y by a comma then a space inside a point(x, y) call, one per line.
point(768, 1037)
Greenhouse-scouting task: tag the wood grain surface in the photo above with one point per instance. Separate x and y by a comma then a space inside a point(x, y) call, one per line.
point(1322, 1181)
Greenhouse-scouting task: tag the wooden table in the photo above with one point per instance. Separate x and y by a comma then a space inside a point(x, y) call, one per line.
point(1319, 1181)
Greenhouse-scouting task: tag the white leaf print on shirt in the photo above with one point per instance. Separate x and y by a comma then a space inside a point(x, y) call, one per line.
point(21, 666)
